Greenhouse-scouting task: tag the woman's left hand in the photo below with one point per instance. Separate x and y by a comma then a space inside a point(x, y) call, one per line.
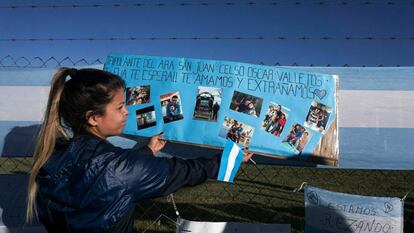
point(247, 154)
point(156, 143)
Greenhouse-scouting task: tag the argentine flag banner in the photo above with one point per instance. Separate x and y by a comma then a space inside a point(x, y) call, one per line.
point(230, 161)
point(328, 211)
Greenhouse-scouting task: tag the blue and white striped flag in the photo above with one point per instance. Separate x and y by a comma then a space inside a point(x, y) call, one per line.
point(230, 161)
point(388, 128)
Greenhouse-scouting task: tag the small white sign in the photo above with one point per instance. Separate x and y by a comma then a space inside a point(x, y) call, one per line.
point(335, 212)
point(186, 226)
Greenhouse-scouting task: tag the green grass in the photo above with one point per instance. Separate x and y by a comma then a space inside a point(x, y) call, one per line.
point(261, 194)
point(15, 165)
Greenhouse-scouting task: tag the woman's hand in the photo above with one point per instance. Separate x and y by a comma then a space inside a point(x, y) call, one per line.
point(247, 154)
point(156, 143)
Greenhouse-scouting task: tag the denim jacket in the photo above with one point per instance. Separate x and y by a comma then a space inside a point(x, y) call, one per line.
point(89, 185)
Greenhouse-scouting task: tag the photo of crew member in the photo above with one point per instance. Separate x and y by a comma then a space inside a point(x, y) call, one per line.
point(297, 139)
point(275, 119)
point(146, 117)
point(171, 107)
point(247, 104)
point(207, 103)
point(236, 131)
point(317, 117)
point(137, 95)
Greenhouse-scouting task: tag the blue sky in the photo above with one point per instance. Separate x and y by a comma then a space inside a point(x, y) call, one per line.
point(217, 19)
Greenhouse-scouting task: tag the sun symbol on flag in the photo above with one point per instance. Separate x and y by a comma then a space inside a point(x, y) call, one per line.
point(388, 207)
point(313, 198)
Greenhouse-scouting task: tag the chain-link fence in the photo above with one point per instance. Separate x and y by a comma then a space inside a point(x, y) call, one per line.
point(261, 193)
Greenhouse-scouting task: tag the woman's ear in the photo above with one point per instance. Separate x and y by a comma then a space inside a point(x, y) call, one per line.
point(91, 118)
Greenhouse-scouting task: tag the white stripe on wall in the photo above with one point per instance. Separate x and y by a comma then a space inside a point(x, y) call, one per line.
point(376, 109)
point(359, 109)
point(20, 103)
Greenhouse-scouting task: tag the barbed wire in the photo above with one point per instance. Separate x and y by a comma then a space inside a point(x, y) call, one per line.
point(207, 4)
point(9, 61)
point(275, 37)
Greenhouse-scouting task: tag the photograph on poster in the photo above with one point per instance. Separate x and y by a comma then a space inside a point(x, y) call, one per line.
point(275, 119)
point(137, 95)
point(297, 139)
point(146, 117)
point(207, 103)
point(236, 131)
point(317, 117)
point(247, 104)
point(171, 107)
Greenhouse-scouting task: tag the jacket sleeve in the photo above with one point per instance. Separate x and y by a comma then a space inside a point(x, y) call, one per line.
point(140, 172)
point(147, 176)
point(190, 172)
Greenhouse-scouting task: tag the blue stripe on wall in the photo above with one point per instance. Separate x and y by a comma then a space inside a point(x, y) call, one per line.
point(376, 148)
point(17, 138)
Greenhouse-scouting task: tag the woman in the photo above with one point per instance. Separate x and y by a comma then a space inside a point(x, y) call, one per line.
point(232, 132)
point(85, 184)
point(302, 142)
point(280, 125)
point(250, 110)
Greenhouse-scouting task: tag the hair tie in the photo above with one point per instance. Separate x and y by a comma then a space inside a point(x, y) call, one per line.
point(72, 72)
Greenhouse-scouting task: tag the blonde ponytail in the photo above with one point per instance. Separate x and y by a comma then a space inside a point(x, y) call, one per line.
point(87, 90)
point(50, 130)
